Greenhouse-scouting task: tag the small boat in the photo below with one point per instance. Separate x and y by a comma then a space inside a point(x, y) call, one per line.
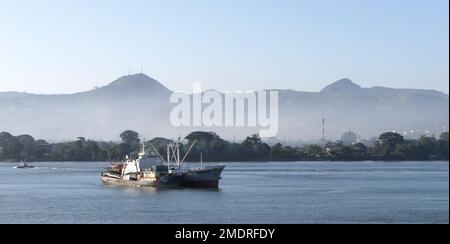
point(24, 166)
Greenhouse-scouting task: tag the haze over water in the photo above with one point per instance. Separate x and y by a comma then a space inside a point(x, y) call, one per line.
point(299, 192)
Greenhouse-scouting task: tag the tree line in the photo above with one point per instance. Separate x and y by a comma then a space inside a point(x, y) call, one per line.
point(389, 146)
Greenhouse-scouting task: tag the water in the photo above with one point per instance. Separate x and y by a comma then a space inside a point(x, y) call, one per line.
point(302, 192)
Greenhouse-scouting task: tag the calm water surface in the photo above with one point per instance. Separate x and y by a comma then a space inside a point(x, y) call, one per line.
point(304, 192)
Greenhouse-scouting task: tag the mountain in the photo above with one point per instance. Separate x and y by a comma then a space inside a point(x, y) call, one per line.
point(136, 102)
point(344, 86)
point(140, 103)
point(367, 111)
point(132, 85)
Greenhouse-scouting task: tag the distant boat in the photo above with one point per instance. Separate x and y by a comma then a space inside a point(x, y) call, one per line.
point(24, 166)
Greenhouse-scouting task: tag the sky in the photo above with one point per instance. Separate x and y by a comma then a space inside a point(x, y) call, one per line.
point(66, 46)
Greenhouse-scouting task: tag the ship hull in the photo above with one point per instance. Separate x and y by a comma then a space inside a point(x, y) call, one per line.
point(167, 181)
point(208, 177)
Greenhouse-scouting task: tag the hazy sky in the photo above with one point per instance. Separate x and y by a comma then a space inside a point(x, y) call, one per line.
point(62, 46)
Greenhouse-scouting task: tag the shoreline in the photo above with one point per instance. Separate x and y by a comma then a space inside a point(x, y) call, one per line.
point(388, 146)
point(256, 161)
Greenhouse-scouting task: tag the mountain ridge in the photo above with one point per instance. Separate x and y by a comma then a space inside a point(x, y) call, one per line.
point(141, 103)
point(144, 81)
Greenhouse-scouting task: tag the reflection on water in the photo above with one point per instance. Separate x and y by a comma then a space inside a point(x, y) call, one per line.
point(304, 192)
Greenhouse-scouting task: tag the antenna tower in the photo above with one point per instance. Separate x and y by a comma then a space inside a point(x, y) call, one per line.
point(323, 130)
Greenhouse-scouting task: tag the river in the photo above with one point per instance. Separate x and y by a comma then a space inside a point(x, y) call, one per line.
point(273, 193)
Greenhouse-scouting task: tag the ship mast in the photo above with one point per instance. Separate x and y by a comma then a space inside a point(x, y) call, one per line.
point(178, 155)
point(142, 154)
point(182, 161)
point(168, 156)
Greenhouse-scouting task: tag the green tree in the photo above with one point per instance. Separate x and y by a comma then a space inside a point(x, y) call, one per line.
point(253, 148)
point(118, 152)
point(443, 146)
point(132, 141)
point(130, 137)
point(10, 148)
point(201, 136)
point(210, 145)
point(313, 152)
point(28, 144)
point(93, 150)
point(391, 139)
point(386, 145)
point(427, 147)
point(360, 151)
point(5, 139)
point(41, 150)
point(277, 151)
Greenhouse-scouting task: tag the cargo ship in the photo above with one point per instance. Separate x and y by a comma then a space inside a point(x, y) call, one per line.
point(201, 177)
point(204, 176)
